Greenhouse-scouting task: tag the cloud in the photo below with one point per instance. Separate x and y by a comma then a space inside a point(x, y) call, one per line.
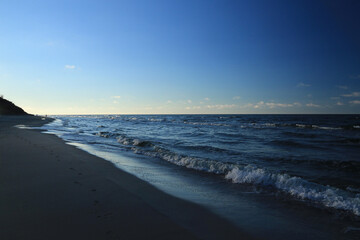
point(301, 84)
point(247, 105)
point(207, 99)
point(262, 104)
point(168, 101)
point(312, 105)
point(259, 104)
point(353, 94)
point(221, 106)
point(189, 101)
point(355, 76)
point(339, 104)
point(70, 67)
point(342, 87)
point(193, 107)
point(273, 105)
point(355, 102)
point(236, 98)
point(116, 97)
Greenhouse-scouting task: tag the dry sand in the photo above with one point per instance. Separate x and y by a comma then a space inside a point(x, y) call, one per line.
point(51, 190)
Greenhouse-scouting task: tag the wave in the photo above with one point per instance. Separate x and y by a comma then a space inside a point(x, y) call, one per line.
point(133, 141)
point(290, 143)
point(297, 187)
point(349, 166)
point(204, 148)
point(349, 140)
point(107, 134)
point(313, 126)
point(294, 186)
point(207, 124)
point(195, 163)
point(300, 134)
point(290, 125)
point(337, 165)
point(249, 174)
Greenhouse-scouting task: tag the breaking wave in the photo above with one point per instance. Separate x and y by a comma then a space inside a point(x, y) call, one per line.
point(297, 187)
point(250, 174)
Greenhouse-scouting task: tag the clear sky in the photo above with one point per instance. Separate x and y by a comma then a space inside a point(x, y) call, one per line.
point(94, 57)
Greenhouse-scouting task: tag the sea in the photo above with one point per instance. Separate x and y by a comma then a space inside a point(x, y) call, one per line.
point(274, 176)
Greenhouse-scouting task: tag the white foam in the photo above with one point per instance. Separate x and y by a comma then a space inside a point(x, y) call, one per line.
point(123, 140)
point(207, 124)
point(297, 187)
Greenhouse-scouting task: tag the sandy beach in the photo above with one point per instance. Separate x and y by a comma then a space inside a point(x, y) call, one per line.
point(51, 190)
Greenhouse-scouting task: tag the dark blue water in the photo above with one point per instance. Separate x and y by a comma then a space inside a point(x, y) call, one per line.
point(311, 160)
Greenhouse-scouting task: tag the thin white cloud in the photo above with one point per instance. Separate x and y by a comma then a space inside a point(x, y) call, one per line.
point(339, 104)
point(301, 84)
point(355, 102)
point(259, 104)
point(193, 107)
point(168, 101)
point(263, 104)
point(312, 105)
point(343, 87)
point(353, 94)
point(207, 99)
point(247, 105)
point(116, 97)
point(355, 76)
point(70, 67)
point(189, 101)
point(236, 98)
point(221, 106)
point(273, 105)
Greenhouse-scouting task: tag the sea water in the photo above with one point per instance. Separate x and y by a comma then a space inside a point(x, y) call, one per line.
point(284, 176)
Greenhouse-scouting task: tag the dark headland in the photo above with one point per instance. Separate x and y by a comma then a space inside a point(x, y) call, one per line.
point(52, 190)
point(9, 108)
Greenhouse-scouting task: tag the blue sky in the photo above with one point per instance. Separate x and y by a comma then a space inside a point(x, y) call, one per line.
point(94, 57)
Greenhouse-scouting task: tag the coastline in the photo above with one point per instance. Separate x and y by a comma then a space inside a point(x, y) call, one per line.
point(51, 190)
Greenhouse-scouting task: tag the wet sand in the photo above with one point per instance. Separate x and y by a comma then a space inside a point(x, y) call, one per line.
point(51, 190)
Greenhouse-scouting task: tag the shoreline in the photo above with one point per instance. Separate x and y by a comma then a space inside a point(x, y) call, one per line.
point(51, 190)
